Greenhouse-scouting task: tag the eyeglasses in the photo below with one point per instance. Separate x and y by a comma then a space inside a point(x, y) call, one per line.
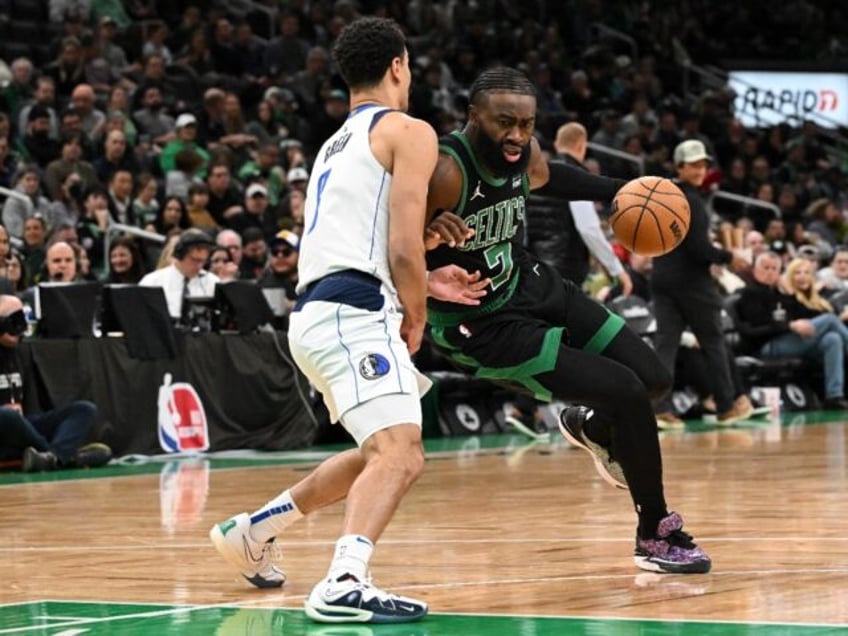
point(283, 252)
point(218, 261)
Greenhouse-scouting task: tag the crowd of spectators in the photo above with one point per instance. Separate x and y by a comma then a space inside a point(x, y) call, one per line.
point(166, 116)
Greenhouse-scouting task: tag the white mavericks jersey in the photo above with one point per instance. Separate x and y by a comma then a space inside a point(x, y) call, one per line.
point(346, 216)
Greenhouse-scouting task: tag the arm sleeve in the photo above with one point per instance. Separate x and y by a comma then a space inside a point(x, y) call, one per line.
point(589, 226)
point(697, 242)
point(572, 184)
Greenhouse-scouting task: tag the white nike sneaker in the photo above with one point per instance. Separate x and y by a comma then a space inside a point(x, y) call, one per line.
point(254, 560)
point(348, 600)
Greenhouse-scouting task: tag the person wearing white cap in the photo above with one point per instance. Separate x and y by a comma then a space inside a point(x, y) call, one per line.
point(266, 166)
point(256, 189)
point(257, 211)
point(298, 178)
point(685, 293)
point(185, 120)
point(186, 129)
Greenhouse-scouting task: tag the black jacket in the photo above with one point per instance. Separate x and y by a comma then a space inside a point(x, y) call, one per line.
point(761, 313)
point(552, 235)
point(687, 267)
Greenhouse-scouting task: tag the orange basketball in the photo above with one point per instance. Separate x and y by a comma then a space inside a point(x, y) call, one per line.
point(650, 216)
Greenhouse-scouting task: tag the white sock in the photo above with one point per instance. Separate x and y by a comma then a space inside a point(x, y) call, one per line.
point(274, 517)
point(353, 552)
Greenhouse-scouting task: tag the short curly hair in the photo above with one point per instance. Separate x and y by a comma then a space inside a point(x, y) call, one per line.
point(365, 50)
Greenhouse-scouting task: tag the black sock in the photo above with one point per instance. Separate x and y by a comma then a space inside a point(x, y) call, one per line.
point(649, 519)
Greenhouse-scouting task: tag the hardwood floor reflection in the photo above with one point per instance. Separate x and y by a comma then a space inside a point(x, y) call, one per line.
point(528, 530)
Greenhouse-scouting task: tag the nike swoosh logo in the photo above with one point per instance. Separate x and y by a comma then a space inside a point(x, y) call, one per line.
point(249, 553)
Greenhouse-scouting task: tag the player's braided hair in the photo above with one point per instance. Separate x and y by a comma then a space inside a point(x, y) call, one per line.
point(501, 79)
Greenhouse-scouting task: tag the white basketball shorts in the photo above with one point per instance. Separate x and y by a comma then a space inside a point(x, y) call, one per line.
point(354, 356)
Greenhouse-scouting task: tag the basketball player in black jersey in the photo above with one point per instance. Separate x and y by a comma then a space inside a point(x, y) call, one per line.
point(539, 333)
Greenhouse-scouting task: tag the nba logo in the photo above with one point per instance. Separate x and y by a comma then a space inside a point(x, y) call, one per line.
point(181, 419)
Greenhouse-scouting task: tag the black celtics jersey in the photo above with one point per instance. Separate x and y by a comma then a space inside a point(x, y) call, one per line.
point(494, 208)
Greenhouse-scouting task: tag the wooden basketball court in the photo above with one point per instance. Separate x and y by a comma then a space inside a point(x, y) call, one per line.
point(501, 536)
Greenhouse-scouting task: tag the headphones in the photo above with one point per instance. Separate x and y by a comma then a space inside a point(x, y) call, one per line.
point(191, 238)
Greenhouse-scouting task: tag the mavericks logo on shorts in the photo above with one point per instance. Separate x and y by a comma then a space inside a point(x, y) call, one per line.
point(373, 366)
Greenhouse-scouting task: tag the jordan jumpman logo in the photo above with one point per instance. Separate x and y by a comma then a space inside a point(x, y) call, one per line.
point(477, 192)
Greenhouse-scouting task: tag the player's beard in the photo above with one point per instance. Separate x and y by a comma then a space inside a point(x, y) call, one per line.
point(491, 154)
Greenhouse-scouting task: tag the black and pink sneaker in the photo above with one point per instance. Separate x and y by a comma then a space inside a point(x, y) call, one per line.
point(671, 550)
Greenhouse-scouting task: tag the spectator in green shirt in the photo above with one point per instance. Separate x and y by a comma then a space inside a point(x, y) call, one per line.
point(186, 134)
point(266, 167)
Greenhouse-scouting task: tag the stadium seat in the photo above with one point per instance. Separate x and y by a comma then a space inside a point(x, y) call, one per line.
point(637, 313)
point(41, 54)
point(32, 10)
point(12, 50)
point(262, 23)
point(795, 376)
point(27, 32)
point(181, 83)
point(839, 301)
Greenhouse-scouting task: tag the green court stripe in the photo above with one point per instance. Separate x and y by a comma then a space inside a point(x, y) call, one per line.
point(100, 619)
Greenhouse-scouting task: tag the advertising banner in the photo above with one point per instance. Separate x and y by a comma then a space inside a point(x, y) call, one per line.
point(766, 98)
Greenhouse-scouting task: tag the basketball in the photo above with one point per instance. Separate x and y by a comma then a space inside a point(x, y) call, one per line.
point(650, 216)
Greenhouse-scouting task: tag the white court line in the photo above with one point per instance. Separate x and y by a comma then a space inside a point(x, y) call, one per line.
point(640, 620)
point(506, 541)
point(78, 621)
point(302, 459)
point(152, 473)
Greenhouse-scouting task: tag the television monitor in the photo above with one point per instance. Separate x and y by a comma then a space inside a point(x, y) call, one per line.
point(124, 307)
point(199, 314)
point(141, 315)
point(277, 300)
point(242, 306)
point(66, 310)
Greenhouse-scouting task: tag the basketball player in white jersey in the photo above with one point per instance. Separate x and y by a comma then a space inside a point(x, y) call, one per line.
point(361, 261)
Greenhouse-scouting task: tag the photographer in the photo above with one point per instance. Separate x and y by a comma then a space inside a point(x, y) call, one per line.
point(43, 441)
